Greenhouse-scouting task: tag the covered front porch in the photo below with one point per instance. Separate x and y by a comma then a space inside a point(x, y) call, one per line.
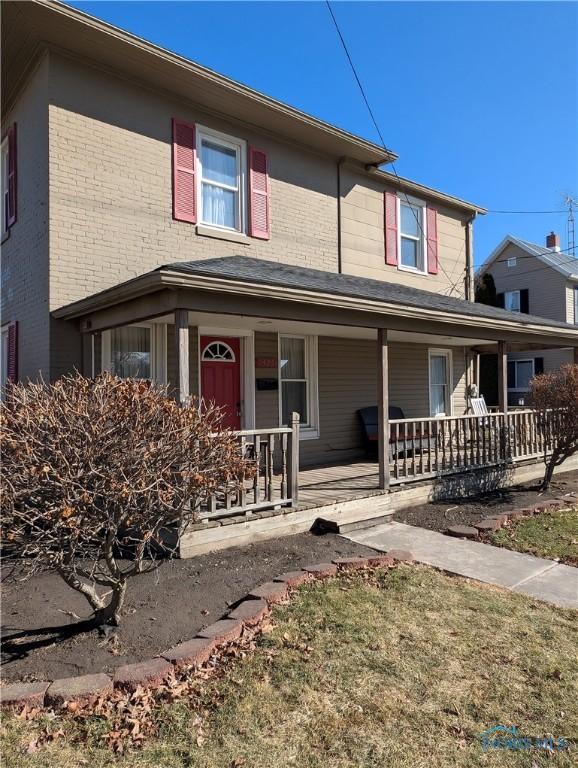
point(338, 388)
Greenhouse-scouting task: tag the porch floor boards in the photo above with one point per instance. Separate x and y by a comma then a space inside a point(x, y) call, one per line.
point(334, 483)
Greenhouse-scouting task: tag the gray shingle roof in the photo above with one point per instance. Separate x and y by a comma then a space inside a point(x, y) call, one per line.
point(244, 269)
point(562, 261)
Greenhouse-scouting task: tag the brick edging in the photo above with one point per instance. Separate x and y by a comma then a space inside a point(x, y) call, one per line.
point(495, 522)
point(250, 612)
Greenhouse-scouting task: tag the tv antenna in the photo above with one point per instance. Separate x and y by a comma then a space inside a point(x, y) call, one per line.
point(571, 225)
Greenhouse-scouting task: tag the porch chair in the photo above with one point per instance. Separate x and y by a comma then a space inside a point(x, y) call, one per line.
point(369, 422)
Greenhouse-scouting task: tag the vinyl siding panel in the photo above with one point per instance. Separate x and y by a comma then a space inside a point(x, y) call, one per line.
point(546, 287)
point(193, 359)
point(363, 249)
point(266, 401)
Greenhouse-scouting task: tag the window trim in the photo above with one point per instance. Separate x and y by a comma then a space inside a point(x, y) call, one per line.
point(422, 239)
point(240, 148)
point(158, 350)
point(312, 430)
point(4, 150)
point(447, 353)
point(510, 293)
point(515, 361)
point(576, 305)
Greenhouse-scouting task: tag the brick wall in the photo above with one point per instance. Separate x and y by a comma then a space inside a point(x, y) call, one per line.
point(25, 251)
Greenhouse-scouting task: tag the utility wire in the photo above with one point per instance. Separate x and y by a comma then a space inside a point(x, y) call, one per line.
point(531, 212)
point(375, 123)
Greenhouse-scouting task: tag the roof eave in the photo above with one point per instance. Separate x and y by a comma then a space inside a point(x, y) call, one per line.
point(413, 187)
point(55, 24)
point(167, 278)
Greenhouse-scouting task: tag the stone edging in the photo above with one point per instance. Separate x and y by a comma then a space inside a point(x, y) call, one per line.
point(495, 522)
point(249, 612)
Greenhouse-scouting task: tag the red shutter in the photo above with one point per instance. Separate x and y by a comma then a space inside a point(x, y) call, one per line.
point(12, 367)
point(259, 204)
point(11, 206)
point(390, 219)
point(432, 240)
point(184, 172)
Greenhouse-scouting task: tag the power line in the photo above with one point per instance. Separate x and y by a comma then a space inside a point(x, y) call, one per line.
point(389, 151)
point(530, 212)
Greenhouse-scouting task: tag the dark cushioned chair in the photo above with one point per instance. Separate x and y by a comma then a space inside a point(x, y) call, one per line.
point(418, 442)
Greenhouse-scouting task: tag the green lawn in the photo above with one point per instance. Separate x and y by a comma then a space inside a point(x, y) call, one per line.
point(405, 669)
point(552, 535)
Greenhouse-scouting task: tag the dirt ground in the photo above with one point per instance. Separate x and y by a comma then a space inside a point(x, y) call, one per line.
point(438, 516)
point(183, 596)
point(163, 608)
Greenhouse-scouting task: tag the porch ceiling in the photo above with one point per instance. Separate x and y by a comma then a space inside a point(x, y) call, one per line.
point(231, 324)
point(240, 286)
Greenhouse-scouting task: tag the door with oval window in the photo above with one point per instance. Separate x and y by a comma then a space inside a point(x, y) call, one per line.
point(221, 376)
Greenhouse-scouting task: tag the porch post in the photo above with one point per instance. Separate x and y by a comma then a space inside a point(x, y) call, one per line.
point(182, 346)
point(293, 460)
point(503, 376)
point(383, 407)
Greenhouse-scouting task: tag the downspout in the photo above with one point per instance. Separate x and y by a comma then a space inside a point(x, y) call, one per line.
point(469, 278)
point(339, 259)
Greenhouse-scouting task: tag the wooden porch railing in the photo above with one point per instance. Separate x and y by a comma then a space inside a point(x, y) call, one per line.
point(275, 455)
point(422, 448)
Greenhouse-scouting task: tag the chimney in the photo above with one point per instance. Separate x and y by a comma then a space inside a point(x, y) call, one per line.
point(553, 241)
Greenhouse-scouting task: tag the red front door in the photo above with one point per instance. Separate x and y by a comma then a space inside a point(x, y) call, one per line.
point(221, 376)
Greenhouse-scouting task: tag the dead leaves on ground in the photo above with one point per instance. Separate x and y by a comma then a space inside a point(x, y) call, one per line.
point(133, 718)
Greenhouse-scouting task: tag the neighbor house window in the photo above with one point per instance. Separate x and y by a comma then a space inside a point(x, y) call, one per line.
point(576, 306)
point(411, 230)
point(520, 372)
point(440, 389)
point(221, 165)
point(135, 352)
point(512, 301)
point(512, 262)
point(298, 382)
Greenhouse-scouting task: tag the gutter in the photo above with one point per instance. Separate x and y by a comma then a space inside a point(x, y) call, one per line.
point(469, 277)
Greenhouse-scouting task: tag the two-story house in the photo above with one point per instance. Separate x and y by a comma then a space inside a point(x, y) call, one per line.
point(166, 222)
point(539, 280)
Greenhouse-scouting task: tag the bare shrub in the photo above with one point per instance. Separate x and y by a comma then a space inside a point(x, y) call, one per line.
point(556, 395)
point(95, 471)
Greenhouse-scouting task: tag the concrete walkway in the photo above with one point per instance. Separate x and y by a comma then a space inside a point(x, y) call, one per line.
point(542, 579)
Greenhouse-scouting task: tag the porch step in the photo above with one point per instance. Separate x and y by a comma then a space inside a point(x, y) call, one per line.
point(353, 515)
point(358, 525)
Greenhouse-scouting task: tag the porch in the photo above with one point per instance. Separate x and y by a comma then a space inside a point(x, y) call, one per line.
point(306, 351)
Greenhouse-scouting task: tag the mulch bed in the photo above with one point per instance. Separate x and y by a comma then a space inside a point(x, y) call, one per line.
point(440, 515)
point(162, 608)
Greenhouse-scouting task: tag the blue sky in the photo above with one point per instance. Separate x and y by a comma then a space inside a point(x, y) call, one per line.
point(479, 100)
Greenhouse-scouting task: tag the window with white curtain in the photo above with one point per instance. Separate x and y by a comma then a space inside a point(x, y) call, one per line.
point(298, 382)
point(130, 352)
point(136, 352)
point(512, 301)
point(440, 394)
point(221, 166)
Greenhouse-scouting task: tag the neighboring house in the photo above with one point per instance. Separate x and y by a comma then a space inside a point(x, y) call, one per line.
point(164, 221)
point(532, 279)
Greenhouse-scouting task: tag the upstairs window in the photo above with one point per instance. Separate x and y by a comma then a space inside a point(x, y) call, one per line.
point(411, 227)
point(221, 174)
point(512, 301)
point(512, 262)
